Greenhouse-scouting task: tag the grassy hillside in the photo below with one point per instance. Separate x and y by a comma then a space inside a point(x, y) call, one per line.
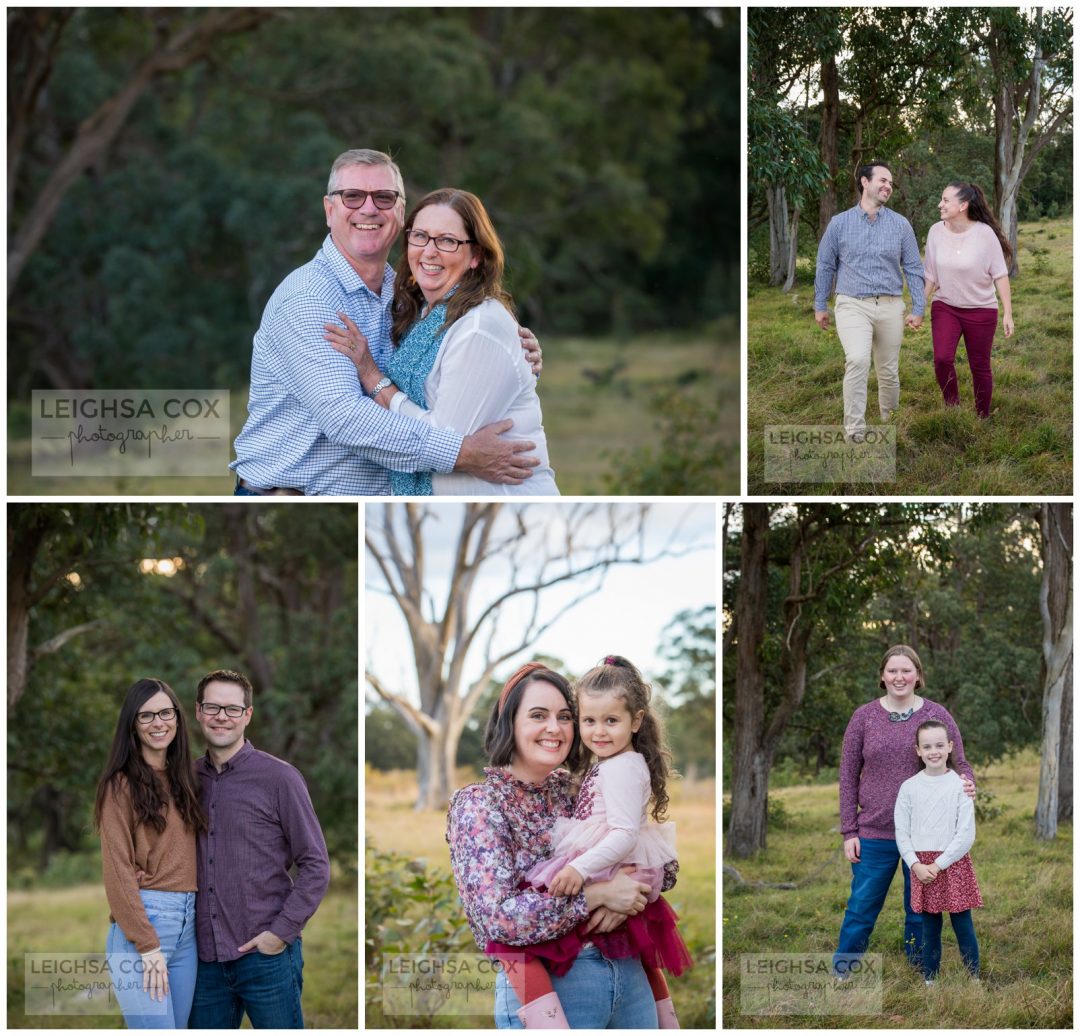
point(605, 414)
point(795, 376)
point(76, 920)
point(1025, 929)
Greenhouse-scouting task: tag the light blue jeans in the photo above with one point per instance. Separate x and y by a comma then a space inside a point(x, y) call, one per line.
point(173, 916)
point(596, 993)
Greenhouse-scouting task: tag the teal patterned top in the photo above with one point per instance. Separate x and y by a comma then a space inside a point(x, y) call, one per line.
point(409, 367)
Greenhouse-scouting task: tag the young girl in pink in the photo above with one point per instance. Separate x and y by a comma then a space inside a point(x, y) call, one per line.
point(608, 831)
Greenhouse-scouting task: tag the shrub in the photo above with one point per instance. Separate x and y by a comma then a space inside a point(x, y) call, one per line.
point(409, 908)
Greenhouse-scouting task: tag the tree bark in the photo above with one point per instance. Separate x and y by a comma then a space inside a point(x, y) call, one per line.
point(830, 119)
point(793, 249)
point(1065, 765)
point(779, 239)
point(1055, 603)
point(750, 764)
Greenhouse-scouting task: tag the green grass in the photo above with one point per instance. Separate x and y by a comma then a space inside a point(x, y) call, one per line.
point(391, 823)
point(1024, 930)
point(595, 394)
point(795, 377)
point(76, 920)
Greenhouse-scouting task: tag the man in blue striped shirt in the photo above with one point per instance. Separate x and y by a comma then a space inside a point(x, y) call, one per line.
point(310, 429)
point(865, 253)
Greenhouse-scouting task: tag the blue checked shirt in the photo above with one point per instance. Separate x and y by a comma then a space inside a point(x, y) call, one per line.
point(865, 257)
point(309, 425)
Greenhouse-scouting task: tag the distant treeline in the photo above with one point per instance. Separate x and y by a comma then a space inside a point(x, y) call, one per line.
point(101, 595)
point(604, 143)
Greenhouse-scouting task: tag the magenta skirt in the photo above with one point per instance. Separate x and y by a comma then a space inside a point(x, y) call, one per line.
point(652, 935)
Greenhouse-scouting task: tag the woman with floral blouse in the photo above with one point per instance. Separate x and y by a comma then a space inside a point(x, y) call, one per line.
point(499, 828)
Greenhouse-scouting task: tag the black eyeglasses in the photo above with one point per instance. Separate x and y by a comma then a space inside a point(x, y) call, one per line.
point(146, 718)
point(445, 243)
point(354, 199)
point(232, 711)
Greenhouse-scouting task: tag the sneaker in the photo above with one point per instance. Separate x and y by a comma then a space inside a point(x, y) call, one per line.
point(930, 982)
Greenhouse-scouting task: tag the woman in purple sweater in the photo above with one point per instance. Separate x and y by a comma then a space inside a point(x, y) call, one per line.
point(878, 756)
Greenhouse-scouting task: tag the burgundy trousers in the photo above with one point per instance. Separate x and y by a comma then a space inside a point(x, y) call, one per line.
point(947, 324)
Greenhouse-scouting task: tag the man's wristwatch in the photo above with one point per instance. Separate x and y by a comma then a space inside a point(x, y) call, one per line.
point(384, 383)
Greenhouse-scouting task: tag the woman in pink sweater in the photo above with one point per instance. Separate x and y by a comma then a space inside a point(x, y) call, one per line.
point(878, 756)
point(967, 257)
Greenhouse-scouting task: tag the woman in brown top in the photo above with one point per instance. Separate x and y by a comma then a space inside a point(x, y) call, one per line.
point(148, 814)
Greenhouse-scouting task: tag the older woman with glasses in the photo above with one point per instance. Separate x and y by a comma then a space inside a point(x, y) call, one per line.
point(457, 363)
point(148, 814)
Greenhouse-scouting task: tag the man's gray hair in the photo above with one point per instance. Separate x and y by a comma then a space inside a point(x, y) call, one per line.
point(364, 156)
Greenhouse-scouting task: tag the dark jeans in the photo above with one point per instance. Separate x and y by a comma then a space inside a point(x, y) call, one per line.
point(965, 938)
point(870, 881)
point(268, 988)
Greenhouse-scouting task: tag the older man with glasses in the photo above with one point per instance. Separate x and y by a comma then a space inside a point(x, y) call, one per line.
point(310, 428)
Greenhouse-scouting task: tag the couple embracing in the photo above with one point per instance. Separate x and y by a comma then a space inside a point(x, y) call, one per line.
point(196, 859)
point(366, 382)
point(865, 254)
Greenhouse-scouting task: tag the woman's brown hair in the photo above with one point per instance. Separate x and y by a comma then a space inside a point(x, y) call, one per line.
point(979, 210)
point(483, 282)
point(126, 759)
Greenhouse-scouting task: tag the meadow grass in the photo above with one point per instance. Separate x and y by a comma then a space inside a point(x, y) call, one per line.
point(75, 920)
point(391, 823)
point(795, 377)
point(1024, 930)
point(595, 394)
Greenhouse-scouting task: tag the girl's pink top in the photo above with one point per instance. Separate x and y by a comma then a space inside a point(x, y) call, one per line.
point(610, 827)
point(498, 830)
point(964, 266)
point(878, 756)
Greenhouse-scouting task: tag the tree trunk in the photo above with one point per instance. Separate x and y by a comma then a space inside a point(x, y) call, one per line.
point(24, 542)
point(830, 117)
point(1055, 603)
point(779, 243)
point(1065, 776)
point(432, 771)
point(750, 763)
point(793, 249)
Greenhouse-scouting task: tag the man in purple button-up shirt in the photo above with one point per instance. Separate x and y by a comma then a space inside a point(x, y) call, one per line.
point(249, 912)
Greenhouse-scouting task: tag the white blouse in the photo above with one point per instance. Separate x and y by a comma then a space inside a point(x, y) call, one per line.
point(480, 375)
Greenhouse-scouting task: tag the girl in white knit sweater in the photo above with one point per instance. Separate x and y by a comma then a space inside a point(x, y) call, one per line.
point(935, 828)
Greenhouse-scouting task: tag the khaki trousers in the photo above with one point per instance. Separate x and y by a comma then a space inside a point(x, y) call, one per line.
point(870, 328)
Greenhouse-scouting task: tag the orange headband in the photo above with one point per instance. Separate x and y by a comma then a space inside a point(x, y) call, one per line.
point(524, 671)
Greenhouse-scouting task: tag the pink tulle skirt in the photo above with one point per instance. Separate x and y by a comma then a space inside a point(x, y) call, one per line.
point(652, 935)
